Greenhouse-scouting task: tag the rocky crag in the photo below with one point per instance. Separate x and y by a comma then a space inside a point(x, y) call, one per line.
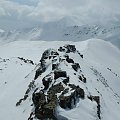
point(57, 83)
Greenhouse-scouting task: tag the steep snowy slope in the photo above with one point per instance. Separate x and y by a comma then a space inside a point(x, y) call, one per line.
point(99, 64)
point(103, 55)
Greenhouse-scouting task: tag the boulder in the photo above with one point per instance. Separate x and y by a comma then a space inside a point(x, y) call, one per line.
point(82, 78)
point(61, 49)
point(69, 60)
point(76, 66)
point(46, 81)
point(97, 100)
point(55, 66)
point(59, 73)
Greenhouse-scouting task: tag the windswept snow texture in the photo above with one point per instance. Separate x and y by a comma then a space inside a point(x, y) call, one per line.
point(100, 65)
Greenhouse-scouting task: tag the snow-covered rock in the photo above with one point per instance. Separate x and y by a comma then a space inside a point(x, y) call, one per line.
point(91, 66)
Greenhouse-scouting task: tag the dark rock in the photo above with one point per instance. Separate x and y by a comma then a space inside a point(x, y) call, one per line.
point(26, 60)
point(65, 91)
point(82, 78)
point(69, 60)
point(65, 101)
point(53, 90)
point(30, 117)
point(71, 100)
point(38, 99)
point(66, 80)
point(80, 92)
point(55, 66)
point(70, 48)
point(61, 49)
point(46, 81)
point(47, 111)
point(51, 97)
point(56, 89)
point(80, 54)
point(72, 86)
point(76, 66)
point(23, 99)
point(38, 73)
point(31, 62)
point(58, 74)
point(30, 87)
point(97, 100)
point(49, 53)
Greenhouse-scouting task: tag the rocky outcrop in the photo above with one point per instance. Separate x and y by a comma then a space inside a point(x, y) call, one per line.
point(48, 54)
point(82, 78)
point(70, 101)
point(26, 60)
point(58, 88)
point(76, 66)
point(58, 74)
point(58, 91)
point(67, 48)
point(97, 100)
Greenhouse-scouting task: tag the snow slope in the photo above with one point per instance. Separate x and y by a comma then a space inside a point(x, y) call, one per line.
point(100, 65)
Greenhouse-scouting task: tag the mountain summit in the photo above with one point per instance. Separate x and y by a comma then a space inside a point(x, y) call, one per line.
point(72, 80)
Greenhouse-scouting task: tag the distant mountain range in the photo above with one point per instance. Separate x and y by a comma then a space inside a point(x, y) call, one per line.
point(60, 31)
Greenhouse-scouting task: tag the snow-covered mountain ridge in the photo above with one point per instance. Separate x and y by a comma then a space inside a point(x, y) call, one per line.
point(99, 65)
point(59, 31)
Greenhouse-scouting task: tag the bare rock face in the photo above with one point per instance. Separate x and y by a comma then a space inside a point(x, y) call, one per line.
point(45, 105)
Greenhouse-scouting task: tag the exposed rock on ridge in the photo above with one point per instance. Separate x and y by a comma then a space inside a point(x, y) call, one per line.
point(57, 89)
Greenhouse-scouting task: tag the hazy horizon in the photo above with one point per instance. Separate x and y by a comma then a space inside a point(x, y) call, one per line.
point(15, 14)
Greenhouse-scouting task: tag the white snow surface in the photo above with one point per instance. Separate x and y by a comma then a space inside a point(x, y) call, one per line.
point(100, 65)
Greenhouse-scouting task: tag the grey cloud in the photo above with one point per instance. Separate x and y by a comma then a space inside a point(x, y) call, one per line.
point(83, 11)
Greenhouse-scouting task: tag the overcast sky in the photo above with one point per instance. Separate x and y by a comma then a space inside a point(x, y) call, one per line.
point(27, 13)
